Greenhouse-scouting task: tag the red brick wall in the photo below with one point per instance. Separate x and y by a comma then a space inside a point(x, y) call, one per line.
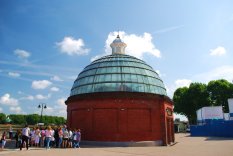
point(127, 118)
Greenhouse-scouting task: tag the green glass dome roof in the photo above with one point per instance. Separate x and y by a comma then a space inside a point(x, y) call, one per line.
point(118, 73)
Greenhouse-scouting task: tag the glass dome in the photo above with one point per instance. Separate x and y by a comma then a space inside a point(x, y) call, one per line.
point(118, 73)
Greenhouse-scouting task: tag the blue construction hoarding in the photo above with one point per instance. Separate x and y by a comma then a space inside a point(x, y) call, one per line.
point(217, 128)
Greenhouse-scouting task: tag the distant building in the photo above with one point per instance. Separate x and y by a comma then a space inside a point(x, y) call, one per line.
point(230, 105)
point(181, 126)
point(119, 98)
point(213, 122)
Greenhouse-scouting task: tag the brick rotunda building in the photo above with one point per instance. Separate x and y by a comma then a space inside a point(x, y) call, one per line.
point(120, 99)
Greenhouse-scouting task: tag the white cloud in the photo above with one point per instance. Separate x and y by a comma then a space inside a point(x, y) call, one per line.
point(42, 84)
point(60, 108)
point(1, 110)
point(182, 83)
point(99, 56)
point(57, 109)
point(61, 102)
point(219, 51)
point(13, 74)
point(7, 100)
point(54, 89)
point(223, 72)
point(22, 53)
point(16, 110)
point(160, 74)
point(168, 29)
point(62, 113)
point(42, 97)
point(29, 97)
point(137, 45)
point(177, 84)
point(50, 110)
point(71, 78)
point(71, 46)
point(181, 117)
point(56, 78)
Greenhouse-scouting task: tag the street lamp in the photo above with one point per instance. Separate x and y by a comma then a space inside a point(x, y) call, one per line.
point(42, 106)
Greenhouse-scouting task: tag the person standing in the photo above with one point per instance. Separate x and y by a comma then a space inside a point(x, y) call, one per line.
point(18, 139)
point(48, 136)
point(56, 137)
point(3, 140)
point(11, 132)
point(25, 136)
point(60, 134)
point(42, 138)
point(37, 136)
point(77, 138)
point(65, 138)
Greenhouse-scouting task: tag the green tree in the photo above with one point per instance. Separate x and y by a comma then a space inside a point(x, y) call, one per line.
point(32, 119)
point(180, 102)
point(188, 100)
point(220, 91)
point(60, 120)
point(2, 118)
point(18, 118)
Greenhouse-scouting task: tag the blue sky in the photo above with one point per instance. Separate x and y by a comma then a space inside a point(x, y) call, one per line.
point(45, 44)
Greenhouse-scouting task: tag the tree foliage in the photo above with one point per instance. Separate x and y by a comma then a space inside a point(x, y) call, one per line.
point(220, 91)
point(2, 118)
point(187, 100)
point(32, 119)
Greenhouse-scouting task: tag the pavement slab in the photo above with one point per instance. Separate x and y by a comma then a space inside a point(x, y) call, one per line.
point(186, 145)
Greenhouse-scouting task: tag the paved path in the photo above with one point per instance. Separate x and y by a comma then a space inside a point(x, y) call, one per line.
point(186, 146)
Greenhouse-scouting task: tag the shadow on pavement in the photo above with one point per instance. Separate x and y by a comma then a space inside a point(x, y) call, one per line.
point(217, 139)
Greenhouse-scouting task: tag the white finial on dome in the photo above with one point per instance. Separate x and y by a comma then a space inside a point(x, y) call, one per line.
point(118, 47)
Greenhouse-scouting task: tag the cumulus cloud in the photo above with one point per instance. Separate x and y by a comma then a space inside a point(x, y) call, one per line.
point(56, 78)
point(16, 110)
point(42, 97)
point(49, 110)
point(13, 74)
point(22, 53)
point(219, 51)
point(177, 84)
point(71, 46)
point(182, 83)
point(160, 74)
point(41, 84)
point(72, 77)
point(29, 97)
point(59, 108)
point(222, 72)
point(7, 100)
point(61, 102)
point(137, 45)
point(54, 89)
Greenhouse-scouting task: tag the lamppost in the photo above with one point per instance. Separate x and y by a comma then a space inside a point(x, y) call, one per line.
point(42, 106)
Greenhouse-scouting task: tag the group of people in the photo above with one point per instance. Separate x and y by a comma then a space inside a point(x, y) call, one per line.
point(59, 137)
